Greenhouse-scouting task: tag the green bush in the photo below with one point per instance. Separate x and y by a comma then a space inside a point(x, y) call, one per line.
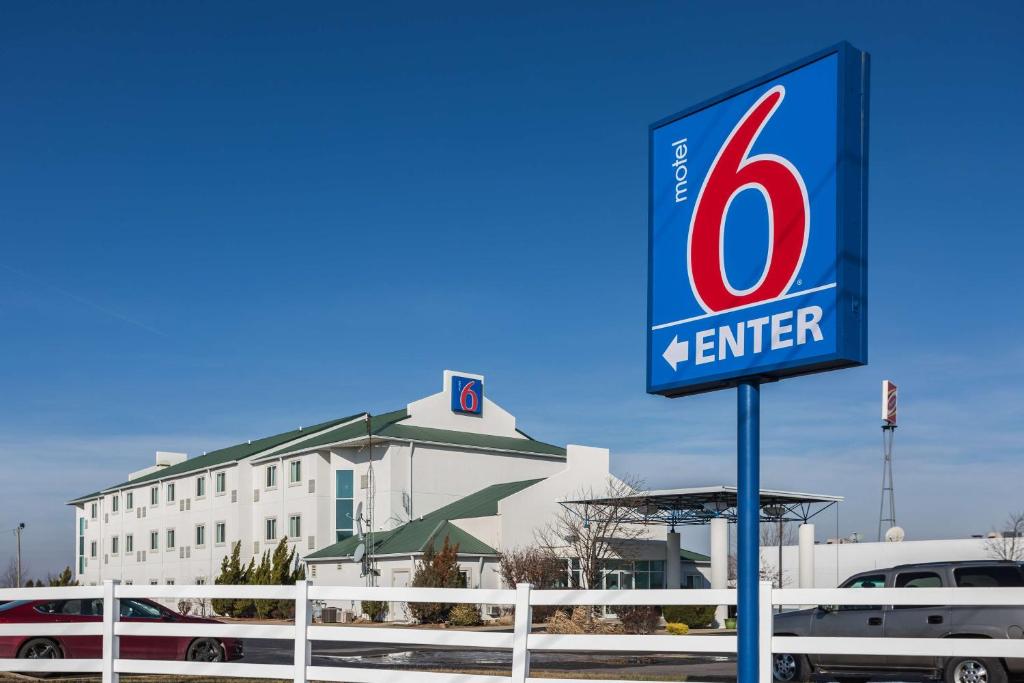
point(464, 615)
point(436, 570)
point(694, 616)
point(677, 629)
point(375, 610)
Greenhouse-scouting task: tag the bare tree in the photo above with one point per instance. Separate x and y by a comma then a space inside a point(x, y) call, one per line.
point(770, 534)
point(9, 576)
point(593, 533)
point(1008, 544)
point(766, 571)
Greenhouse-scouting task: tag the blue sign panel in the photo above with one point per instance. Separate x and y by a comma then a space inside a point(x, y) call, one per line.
point(758, 235)
point(467, 395)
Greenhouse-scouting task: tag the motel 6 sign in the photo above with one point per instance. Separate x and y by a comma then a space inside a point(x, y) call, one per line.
point(758, 235)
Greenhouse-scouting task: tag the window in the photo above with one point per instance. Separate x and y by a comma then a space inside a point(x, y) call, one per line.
point(200, 487)
point(201, 535)
point(295, 472)
point(271, 529)
point(138, 610)
point(153, 582)
point(129, 500)
point(872, 581)
point(129, 543)
point(92, 549)
point(221, 482)
point(170, 539)
point(295, 526)
point(200, 580)
point(271, 476)
point(114, 543)
point(154, 540)
point(342, 504)
point(918, 580)
point(113, 504)
point(170, 492)
point(219, 532)
point(92, 511)
point(1002, 576)
point(170, 582)
point(154, 495)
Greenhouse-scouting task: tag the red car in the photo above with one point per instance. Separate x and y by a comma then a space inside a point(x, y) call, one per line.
point(91, 647)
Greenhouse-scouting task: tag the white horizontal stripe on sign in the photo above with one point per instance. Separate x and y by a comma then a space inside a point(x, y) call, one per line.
point(790, 295)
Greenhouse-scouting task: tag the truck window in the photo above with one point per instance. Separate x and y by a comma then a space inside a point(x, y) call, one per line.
point(872, 581)
point(917, 580)
point(989, 577)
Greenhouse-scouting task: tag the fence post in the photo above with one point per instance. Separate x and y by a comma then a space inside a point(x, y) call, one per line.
point(111, 646)
point(523, 622)
point(302, 621)
point(765, 615)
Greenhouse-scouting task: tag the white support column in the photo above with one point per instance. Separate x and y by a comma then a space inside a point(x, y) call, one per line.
point(111, 646)
point(806, 553)
point(673, 563)
point(765, 629)
point(521, 634)
point(303, 618)
point(720, 563)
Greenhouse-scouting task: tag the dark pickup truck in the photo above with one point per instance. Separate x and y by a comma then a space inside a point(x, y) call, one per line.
point(889, 621)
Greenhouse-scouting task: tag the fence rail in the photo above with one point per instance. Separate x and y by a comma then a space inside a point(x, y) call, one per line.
point(521, 642)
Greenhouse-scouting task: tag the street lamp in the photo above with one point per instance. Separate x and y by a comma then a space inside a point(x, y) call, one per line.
point(17, 573)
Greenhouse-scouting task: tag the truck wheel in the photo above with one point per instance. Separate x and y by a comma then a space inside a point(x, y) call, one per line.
point(974, 670)
point(788, 668)
point(40, 648)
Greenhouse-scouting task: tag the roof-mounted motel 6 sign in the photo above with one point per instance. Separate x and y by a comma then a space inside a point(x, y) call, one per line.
point(758, 236)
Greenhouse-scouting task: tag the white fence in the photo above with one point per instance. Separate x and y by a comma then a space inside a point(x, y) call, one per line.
point(521, 642)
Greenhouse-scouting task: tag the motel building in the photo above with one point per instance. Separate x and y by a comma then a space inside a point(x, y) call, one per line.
point(453, 464)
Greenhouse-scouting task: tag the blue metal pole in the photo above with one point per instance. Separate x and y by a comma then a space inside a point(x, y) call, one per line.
point(748, 519)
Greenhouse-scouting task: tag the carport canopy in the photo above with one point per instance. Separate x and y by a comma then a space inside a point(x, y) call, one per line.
point(698, 506)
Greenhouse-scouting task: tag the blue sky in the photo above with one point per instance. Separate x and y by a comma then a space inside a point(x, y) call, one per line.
point(224, 220)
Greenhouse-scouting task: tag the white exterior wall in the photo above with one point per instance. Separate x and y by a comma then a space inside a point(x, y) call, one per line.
point(834, 563)
point(186, 562)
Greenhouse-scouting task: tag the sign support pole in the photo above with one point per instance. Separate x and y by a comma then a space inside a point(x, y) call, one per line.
point(748, 519)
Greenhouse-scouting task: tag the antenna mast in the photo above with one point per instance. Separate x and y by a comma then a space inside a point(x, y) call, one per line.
point(887, 513)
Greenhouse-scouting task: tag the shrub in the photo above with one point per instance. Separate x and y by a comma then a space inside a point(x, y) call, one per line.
point(581, 620)
point(464, 615)
point(537, 566)
point(375, 610)
point(639, 619)
point(694, 616)
point(184, 607)
point(436, 570)
point(677, 629)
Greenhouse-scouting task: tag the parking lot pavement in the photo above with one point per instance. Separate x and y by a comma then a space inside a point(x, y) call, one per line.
point(374, 655)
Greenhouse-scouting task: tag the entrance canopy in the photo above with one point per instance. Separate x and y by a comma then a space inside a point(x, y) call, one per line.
point(698, 506)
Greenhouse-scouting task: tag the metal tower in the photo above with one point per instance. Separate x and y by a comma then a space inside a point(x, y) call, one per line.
point(887, 515)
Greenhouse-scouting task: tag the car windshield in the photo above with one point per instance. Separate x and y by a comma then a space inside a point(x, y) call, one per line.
point(140, 610)
point(999, 576)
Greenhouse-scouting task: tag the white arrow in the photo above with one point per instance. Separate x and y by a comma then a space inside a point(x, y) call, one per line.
point(677, 352)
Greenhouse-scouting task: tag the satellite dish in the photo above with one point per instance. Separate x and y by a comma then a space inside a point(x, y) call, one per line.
point(895, 534)
point(359, 529)
point(359, 511)
point(357, 556)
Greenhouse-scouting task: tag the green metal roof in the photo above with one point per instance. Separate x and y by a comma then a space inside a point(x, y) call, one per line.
point(691, 556)
point(431, 529)
point(350, 431)
point(389, 425)
point(223, 455)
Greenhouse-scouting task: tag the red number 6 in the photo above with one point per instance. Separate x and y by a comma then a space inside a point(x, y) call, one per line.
point(784, 192)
